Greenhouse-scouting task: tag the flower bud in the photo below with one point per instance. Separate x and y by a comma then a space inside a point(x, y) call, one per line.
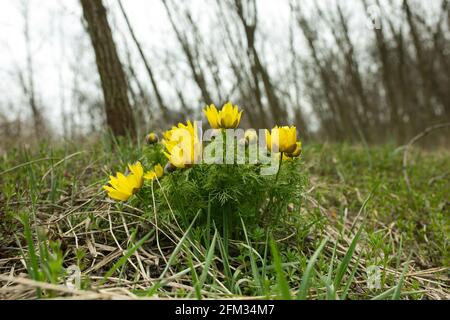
point(151, 138)
point(169, 168)
point(290, 207)
point(297, 152)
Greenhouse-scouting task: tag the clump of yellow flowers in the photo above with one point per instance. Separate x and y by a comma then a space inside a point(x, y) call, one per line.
point(180, 142)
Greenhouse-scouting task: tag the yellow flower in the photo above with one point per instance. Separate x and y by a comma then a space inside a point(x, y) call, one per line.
point(212, 115)
point(122, 187)
point(180, 143)
point(227, 118)
point(284, 138)
point(157, 172)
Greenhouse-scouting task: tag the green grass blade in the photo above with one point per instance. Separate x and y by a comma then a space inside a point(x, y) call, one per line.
point(331, 291)
point(307, 275)
point(208, 260)
point(195, 280)
point(255, 272)
point(283, 285)
point(385, 294)
point(208, 222)
point(33, 264)
point(343, 266)
point(226, 265)
point(398, 287)
point(124, 259)
point(350, 280)
point(264, 261)
point(178, 247)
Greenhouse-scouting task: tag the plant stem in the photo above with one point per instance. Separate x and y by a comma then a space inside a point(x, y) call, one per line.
point(225, 229)
point(272, 196)
point(224, 146)
point(279, 167)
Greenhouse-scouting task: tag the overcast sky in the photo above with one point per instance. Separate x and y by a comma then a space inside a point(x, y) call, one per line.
point(57, 35)
point(59, 42)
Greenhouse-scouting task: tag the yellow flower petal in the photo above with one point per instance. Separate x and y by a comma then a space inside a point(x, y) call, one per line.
point(122, 187)
point(136, 177)
point(159, 170)
point(116, 194)
point(150, 175)
point(136, 169)
point(124, 184)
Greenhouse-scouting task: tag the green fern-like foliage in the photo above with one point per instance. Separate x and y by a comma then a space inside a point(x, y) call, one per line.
point(225, 194)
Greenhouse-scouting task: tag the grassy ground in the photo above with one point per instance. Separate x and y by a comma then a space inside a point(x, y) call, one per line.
point(356, 215)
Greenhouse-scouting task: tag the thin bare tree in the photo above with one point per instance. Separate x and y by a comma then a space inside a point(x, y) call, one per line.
point(161, 104)
point(115, 87)
point(26, 77)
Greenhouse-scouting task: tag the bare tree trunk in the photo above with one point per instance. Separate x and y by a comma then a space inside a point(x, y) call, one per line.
point(119, 115)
